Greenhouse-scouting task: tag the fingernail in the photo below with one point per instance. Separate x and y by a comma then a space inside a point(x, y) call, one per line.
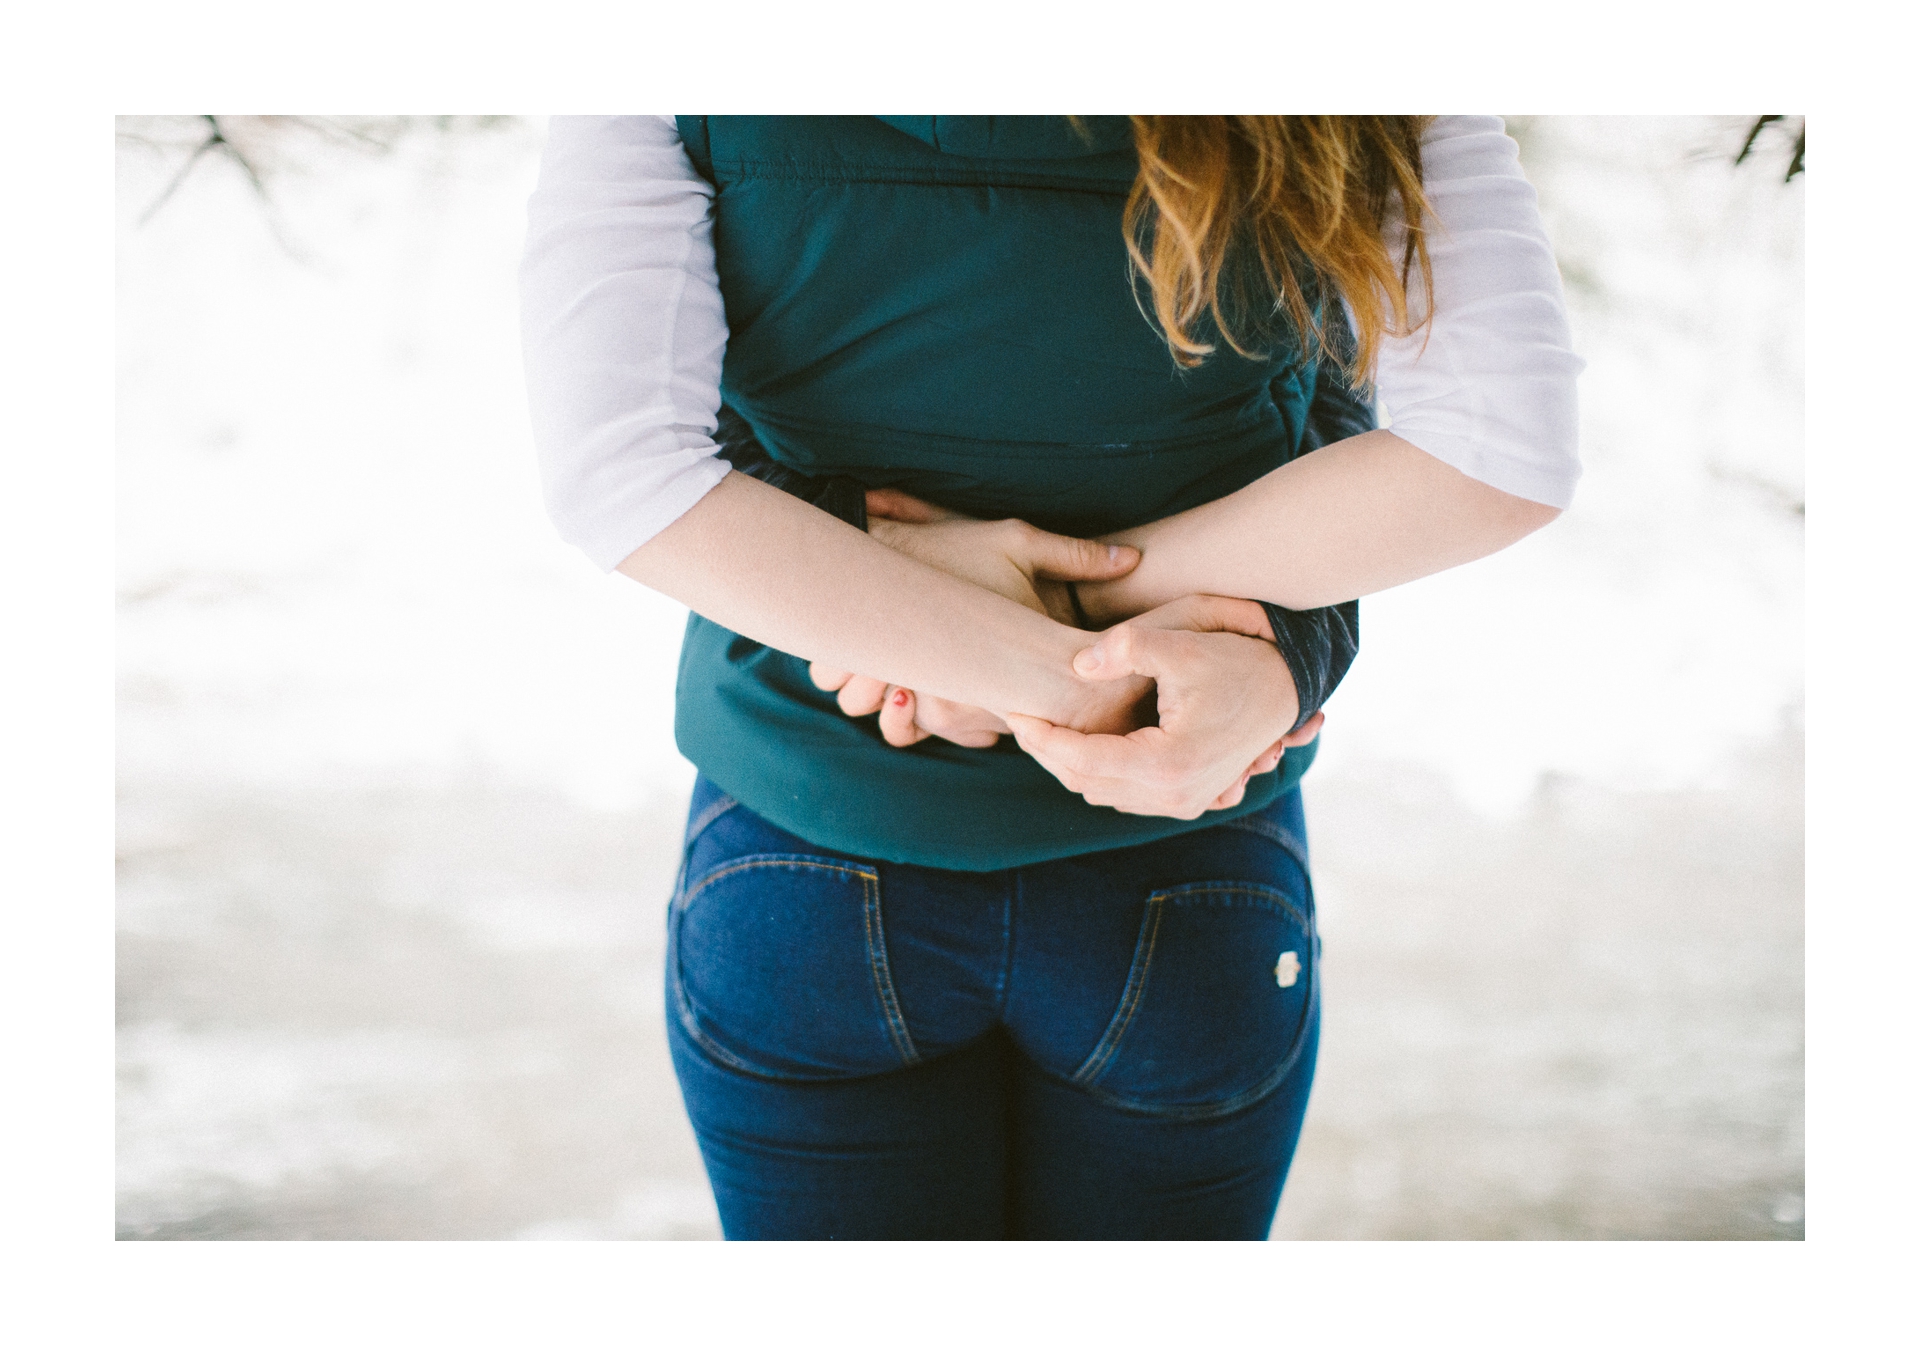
point(900, 697)
point(1090, 658)
point(1113, 555)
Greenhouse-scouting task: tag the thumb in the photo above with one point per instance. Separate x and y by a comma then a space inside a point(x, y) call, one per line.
point(1053, 556)
point(1127, 649)
point(1030, 732)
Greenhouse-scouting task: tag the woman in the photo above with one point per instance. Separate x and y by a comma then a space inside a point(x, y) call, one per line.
point(1064, 987)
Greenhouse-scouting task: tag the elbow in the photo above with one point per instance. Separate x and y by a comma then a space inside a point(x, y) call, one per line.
point(1506, 518)
point(1524, 517)
point(1460, 476)
point(1492, 519)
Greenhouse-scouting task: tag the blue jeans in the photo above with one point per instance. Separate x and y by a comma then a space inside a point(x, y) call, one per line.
point(1115, 1045)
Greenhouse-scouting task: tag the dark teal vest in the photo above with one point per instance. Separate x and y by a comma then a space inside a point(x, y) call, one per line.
point(943, 305)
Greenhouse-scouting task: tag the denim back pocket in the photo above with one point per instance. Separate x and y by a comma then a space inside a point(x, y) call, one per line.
point(777, 966)
point(1217, 1004)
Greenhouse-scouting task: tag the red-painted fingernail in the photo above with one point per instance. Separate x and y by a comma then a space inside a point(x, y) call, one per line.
point(900, 697)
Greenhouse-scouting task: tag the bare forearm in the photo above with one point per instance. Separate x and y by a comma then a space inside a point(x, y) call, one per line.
point(775, 569)
point(1353, 518)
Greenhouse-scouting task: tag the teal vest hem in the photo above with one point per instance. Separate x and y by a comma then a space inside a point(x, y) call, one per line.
point(754, 724)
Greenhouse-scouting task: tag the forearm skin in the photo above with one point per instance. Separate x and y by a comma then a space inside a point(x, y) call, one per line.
point(1352, 518)
point(779, 571)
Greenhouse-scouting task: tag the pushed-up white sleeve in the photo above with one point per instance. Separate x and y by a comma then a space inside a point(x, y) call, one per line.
point(623, 331)
point(1489, 387)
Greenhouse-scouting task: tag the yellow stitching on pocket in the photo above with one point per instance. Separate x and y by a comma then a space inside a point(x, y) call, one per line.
point(883, 973)
point(1286, 903)
point(749, 863)
point(1103, 1052)
point(1107, 1052)
point(682, 998)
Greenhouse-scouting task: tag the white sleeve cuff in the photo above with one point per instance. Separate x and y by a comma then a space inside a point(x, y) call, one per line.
point(623, 330)
point(1488, 387)
point(630, 515)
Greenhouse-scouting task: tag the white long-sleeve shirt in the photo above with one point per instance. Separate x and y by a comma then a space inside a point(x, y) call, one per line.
point(624, 329)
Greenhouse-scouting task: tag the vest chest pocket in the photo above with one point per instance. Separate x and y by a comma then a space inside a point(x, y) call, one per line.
point(1217, 1004)
point(777, 966)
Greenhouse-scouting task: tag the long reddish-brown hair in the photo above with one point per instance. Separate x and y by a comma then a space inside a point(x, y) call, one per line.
point(1230, 215)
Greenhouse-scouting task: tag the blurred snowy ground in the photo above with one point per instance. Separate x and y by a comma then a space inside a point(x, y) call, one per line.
point(399, 798)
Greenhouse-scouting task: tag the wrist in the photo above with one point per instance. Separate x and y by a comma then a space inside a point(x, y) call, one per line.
point(1063, 697)
point(1282, 705)
point(1097, 599)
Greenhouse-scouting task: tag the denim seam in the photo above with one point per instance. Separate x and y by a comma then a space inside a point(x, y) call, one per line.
point(718, 1052)
point(883, 974)
point(1129, 999)
point(1272, 833)
point(1260, 896)
point(679, 883)
point(683, 1005)
point(1003, 991)
point(1240, 1100)
point(707, 816)
point(775, 859)
point(683, 1008)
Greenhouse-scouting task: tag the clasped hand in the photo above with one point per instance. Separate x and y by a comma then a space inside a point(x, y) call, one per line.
point(1195, 699)
point(1224, 701)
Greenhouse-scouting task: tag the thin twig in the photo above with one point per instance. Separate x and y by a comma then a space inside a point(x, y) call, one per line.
point(233, 153)
point(217, 140)
point(213, 139)
point(336, 130)
point(1753, 135)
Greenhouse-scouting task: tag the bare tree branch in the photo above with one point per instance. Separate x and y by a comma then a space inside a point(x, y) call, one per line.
point(181, 176)
point(1760, 124)
point(1753, 135)
point(216, 140)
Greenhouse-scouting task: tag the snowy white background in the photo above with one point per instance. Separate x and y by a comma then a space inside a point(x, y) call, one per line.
point(398, 793)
